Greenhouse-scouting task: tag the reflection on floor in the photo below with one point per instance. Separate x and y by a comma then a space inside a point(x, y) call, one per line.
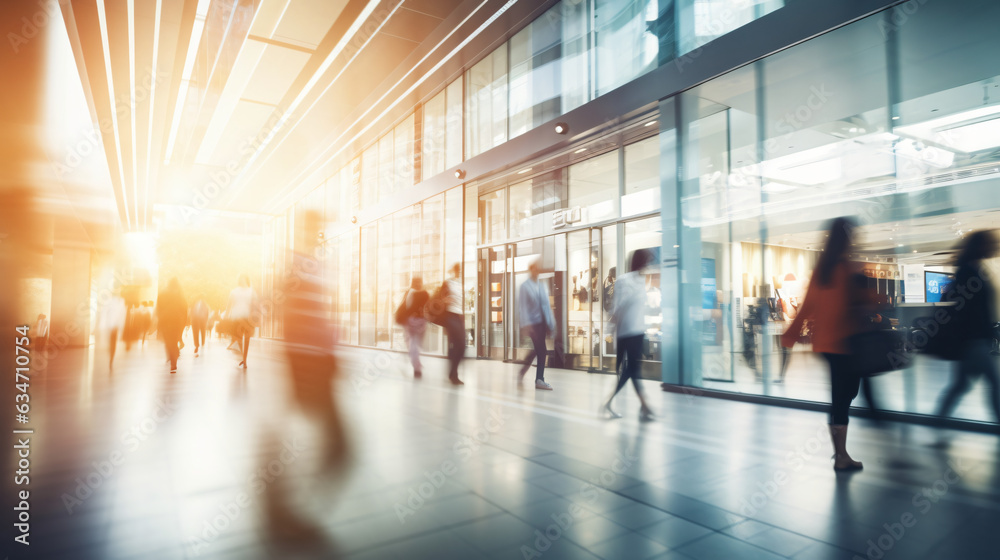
point(918, 389)
point(136, 463)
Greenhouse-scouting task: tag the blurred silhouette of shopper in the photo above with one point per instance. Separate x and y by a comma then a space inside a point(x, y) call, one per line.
point(309, 341)
point(454, 323)
point(171, 316)
point(113, 321)
point(629, 319)
point(242, 303)
point(199, 323)
point(969, 331)
point(535, 314)
point(41, 334)
point(414, 323)
point(828, 305)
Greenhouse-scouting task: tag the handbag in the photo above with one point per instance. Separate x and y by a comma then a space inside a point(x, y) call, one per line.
point(435, 310)
point(879, 351)
point(402, 312)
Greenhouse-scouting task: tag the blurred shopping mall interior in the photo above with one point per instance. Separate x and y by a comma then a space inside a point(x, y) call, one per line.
point(148, 140)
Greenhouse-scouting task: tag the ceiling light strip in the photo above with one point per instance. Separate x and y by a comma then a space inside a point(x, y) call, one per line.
point(130, 16)
point(442, 62)
point(192, 52)
point(337, 49)
point(152, 106)
point(106, 48)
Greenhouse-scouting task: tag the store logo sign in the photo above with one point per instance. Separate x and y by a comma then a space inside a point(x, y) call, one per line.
point(565, 217)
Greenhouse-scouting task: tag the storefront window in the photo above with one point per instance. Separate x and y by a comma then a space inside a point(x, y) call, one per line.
point(386, 169)
point(593, 189)
point(432, 260)
point(486, 103)
point(532, 202)
point(626, 46)
point(383, 289)
point(433, 141)
point(700, 21)
point(403, 139)
point(492, 210)
point(453, 124)
point(369, 261)
point(642, 177)
point(369, 176)
point(548, 71)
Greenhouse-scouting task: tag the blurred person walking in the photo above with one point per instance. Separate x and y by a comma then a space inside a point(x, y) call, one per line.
point(199, 323)
point(145, 321)
point(411, 316)
point(312, 367)
point(454, 323)
point(40, 334)
point(171, 318)
point(242, 306)
point(535, 314)
point(113, 321)
point(629, 320)
point(969, 333)
point(828, 304)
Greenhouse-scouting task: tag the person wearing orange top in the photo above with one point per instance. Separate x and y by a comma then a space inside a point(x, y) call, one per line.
point(828, 305)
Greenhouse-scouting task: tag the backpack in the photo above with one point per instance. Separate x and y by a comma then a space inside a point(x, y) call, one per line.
point(435, 310)
point(402, 314)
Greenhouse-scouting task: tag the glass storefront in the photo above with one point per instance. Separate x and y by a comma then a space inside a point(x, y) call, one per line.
point(891, 119)
point(894, 124)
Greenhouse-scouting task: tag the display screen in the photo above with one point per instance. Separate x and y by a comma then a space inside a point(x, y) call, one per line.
point(935, 284)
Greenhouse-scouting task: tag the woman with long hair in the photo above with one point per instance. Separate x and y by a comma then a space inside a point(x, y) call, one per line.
point(972, 320)
point(828, 304)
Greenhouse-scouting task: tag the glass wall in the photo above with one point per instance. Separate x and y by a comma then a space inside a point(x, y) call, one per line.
point(877, 121)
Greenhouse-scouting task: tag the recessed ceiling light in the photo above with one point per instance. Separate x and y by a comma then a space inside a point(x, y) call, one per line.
point(523, 171)
point(895, 118)
point(459, 174)
point(561, 128)
point(580, 150)
point(650, 123)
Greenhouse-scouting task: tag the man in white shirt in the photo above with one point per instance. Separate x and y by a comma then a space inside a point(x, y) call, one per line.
point(535, 315)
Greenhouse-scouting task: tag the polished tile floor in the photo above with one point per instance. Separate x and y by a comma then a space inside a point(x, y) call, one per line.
point(132, 462)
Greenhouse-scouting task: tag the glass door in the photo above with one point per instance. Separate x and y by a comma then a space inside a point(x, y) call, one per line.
point(493, 303)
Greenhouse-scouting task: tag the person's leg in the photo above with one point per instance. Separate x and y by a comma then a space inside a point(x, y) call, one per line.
point(247, 334)
point(844, 385)
point(413, 343)
point(539, 350)
point(960, 384)
point(173, 351)
point(633, 365)
point(113, 345)
point(456, 345)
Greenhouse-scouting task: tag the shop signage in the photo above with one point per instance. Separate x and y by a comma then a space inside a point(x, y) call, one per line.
point(565, 217)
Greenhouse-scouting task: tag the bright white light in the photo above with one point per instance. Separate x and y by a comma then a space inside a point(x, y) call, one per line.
point(141, 249)
point(968, 131)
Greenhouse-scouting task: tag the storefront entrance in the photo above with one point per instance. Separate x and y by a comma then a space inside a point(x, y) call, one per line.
point(578, 269)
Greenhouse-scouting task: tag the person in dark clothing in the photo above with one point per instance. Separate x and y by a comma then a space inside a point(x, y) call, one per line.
point(415, 324)
point(970, 327)
point(199, 323)
point(171, 317)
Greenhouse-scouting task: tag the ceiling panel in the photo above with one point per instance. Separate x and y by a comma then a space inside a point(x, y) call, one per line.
point(246, 123)
point(306, 22)
point(410, 25)
point(276, 72)
point(437, 8)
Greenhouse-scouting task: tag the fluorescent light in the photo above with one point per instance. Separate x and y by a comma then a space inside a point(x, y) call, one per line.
point(581, 150)
point(106, 47)
point(523, 171)
point(650, 123)
point(192, 52)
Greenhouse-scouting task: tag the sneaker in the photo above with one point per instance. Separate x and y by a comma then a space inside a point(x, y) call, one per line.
point(541, 384)
point(612, 413)
point(646, 415)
